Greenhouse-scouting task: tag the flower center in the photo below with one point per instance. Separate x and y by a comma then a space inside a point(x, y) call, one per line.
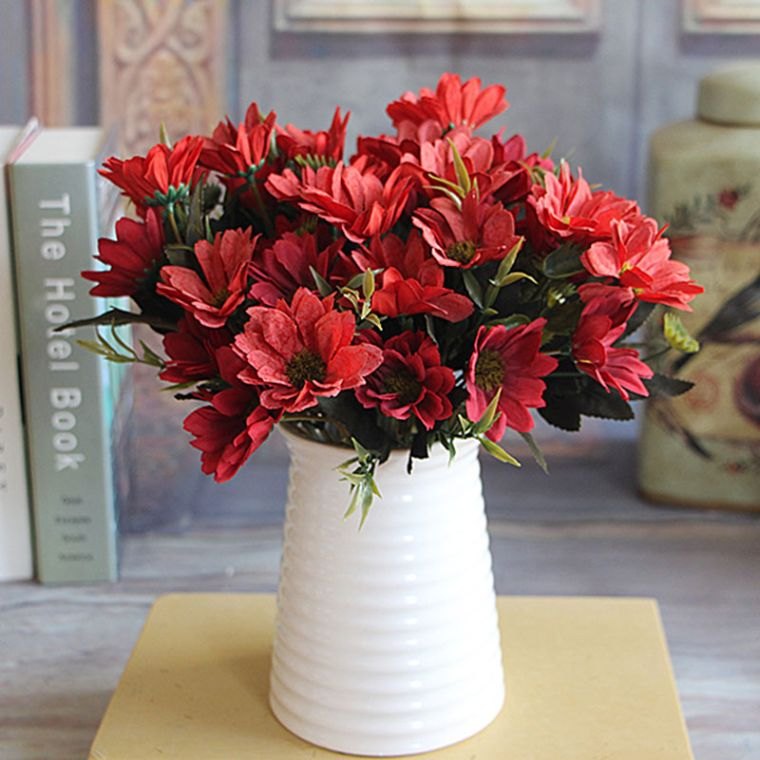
point(404, 385)
point(461, 251)
point(489, 371)
point(219, 298)
point(304, 366)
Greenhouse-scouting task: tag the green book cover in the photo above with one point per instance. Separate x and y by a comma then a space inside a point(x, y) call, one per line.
point(67, 389)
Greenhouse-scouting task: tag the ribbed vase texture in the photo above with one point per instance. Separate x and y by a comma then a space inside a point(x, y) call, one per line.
point(387, 638)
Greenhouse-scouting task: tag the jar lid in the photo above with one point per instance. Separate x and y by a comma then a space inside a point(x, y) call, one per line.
point(731, 96)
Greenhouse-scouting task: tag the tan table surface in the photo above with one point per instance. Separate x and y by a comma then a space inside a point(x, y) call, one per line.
point(588, 678)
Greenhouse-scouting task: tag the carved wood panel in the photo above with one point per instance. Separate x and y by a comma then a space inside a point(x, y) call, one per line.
point(161, 61)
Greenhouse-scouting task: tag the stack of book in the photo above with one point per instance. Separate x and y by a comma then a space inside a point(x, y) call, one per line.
point(61, 406)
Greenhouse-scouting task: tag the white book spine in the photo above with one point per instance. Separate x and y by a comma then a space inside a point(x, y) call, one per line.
point(16, 559)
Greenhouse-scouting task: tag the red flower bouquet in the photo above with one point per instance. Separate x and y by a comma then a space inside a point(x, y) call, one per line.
point(437, 285)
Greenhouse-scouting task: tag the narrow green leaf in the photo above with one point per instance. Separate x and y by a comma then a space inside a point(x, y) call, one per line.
point(323, 286)
point(513, 277)
point(473, 288)
point(538, 455)
point(461, 170)
point(497, 451)
point(506, 264)
point(513, 320)
point(483, 425)
point(368, 283)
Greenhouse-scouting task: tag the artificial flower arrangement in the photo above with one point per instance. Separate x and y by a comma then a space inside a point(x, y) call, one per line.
point(437, 285)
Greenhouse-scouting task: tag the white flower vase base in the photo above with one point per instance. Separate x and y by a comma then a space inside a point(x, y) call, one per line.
point(387, 639)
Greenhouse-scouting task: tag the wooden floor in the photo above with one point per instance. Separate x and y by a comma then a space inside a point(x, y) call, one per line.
point(580, 531)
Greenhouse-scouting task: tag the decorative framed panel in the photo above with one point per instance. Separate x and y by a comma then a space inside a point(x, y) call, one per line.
point(721, 16)
point(161, 61)
point(447, 16)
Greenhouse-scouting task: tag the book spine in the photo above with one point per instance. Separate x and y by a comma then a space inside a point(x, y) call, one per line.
point(67, 396)
point(16, 560)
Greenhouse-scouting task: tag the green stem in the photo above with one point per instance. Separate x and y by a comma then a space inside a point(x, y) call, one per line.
point(173, 223)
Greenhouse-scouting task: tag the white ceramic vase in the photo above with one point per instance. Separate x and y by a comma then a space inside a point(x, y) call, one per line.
point(387, 639)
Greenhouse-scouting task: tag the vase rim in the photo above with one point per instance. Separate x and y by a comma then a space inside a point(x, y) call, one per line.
point(291, 435)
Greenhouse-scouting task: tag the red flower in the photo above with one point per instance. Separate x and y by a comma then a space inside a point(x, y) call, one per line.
point(567, 207)
point(192, 352)
point(233, 426)
point(601, 324)
point(240, 152)
point(452, 104)
point(412, 281)
point(508, 359)
point(161, 178)
point(468, 236)
point(279, 271)
point(360, 204)
point(639, 258)
point(302, 351)
point(224, 265)
point(293, 142)
point(134, 257)
point(410, 381)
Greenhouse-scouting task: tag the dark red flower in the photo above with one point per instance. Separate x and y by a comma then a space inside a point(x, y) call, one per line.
point(452, 104)
point(233, 425)
point(278, 271)
point(602, 323)
point(410, 381)
point(192, 352)
point(224, 264)
point(360, 204)
point(469, 236)
point(638, 258)
point(161, 178)
point(411, 281)
point(134, 257)
point(240, 152)
point(508, 359)
point(300, 352)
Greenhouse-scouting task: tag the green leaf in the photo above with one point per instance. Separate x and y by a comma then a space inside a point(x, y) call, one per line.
point(513, 320)
point(562, 263)
point(323, 286)
point(442, 184)
point(663, 385)
point(473, 287)
point(538, 455)
point(163, 135)
point(640, 316)
point(594, 401)
point(461, 170)
point(484, 424)
point(562, 414)
point(506, 264)
point(677, 335)
point(513, 277)
point(497, 451)
point(119, 317)
point(368, 283)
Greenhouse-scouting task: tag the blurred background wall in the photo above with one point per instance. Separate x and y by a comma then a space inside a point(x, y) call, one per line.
point(597, 76)
point(599, 85)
